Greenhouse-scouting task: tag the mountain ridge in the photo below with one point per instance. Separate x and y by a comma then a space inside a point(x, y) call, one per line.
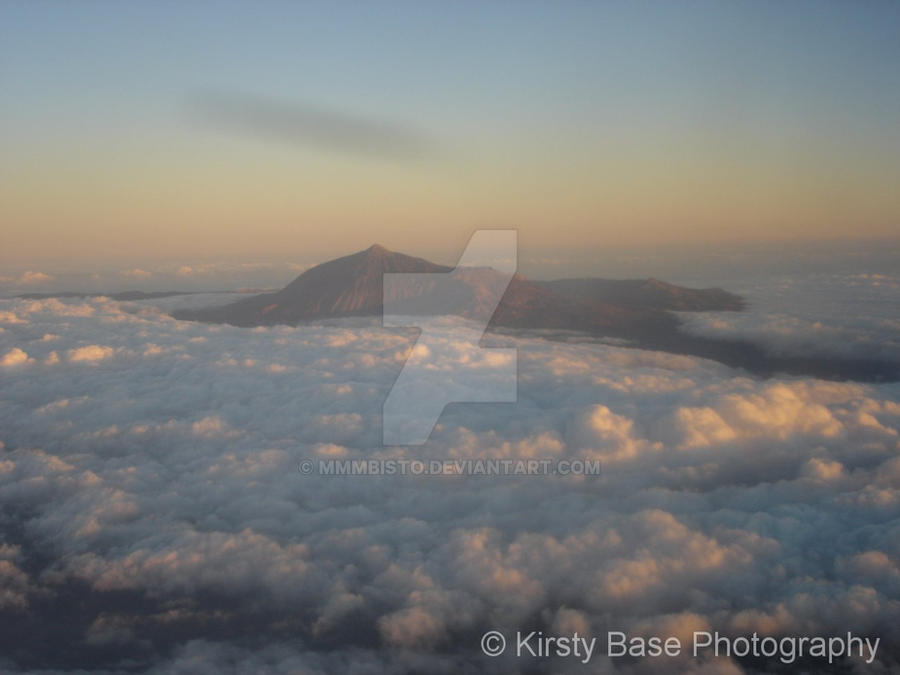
point(352, 285)
point(642, 311)
point(648, 293)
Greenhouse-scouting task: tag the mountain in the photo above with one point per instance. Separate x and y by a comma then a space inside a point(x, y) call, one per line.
point(353, 286)
point(347, 286)
point(646, 294)
point(636, 310)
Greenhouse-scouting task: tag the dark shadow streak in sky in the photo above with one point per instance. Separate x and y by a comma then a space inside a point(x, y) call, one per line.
point(309, 126)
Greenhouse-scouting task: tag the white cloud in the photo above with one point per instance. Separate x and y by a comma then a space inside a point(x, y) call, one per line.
point(170, 474)
point(837, 314)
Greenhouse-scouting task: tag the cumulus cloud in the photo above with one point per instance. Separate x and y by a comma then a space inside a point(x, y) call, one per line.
point(14, 583)
point(14, 357)
point(90, 354)
point(150, 483)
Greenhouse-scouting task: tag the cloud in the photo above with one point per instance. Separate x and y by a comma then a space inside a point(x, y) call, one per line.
point(836, 314)
point(14, 584)
point(29, 277)
point(90, 354)
point(136, 273)
point(777, 410)
point(14, 357)
point(309, 126)
point(153, 504)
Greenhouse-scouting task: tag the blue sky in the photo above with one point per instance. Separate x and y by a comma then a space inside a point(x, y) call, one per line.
point(564, 119)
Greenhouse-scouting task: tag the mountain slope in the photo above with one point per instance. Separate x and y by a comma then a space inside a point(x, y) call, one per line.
point(646, 294)
point(636, 310)
point(347, 286)
point(353, 286)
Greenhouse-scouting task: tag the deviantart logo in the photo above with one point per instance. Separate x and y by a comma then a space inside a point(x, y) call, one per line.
point(446, 364)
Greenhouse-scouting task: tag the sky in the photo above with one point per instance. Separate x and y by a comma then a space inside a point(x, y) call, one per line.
point(303, 130)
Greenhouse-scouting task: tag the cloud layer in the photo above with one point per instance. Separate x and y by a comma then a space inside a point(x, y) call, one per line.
point(814, 314)
point(153, 513)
